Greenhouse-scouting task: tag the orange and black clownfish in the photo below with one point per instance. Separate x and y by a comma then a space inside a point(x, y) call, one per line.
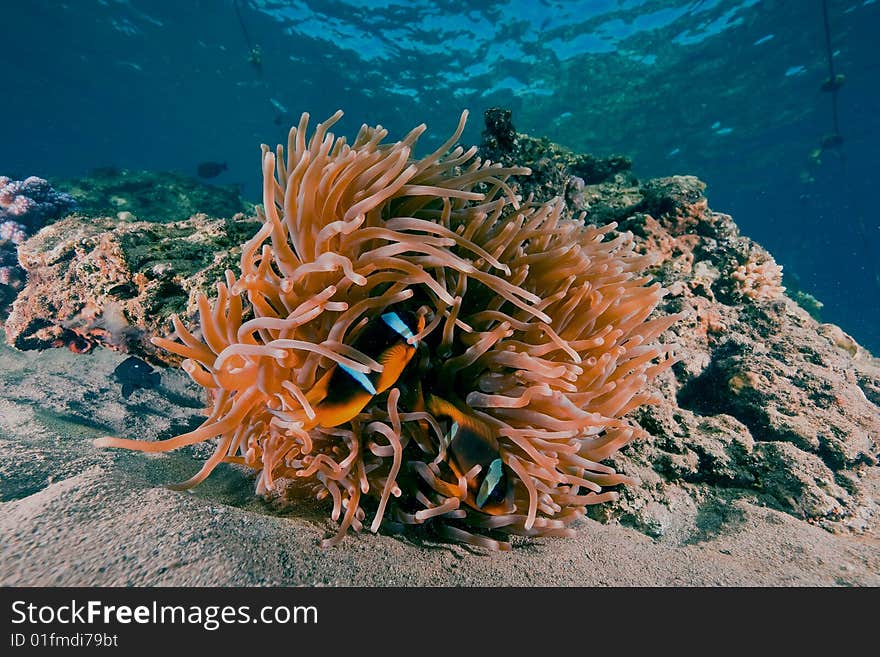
point(473, 442)
point(342, 392)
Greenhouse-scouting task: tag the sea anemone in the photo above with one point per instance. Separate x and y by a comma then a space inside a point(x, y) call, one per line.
point(531, 341)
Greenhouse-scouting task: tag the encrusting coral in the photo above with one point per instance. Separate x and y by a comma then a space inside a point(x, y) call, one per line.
point(529, 341)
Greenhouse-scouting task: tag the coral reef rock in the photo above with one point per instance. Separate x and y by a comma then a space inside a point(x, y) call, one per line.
point(153, 196)
point(101, 281)
point(765, 404)
point(556, 171)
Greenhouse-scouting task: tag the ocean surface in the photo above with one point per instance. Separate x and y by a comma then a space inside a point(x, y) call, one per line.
point(727, 90)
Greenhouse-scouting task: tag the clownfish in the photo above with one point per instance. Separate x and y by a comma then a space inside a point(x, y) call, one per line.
point(473, 442)
point(342, 392)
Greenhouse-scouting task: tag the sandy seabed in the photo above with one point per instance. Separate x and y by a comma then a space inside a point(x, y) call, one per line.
point(74, 515)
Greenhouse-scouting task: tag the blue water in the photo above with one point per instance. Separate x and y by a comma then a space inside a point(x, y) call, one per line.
point(728, 90)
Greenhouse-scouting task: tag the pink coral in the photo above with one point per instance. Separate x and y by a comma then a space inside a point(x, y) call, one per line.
point(25, 207)
point(32, 201)
point(12, 231)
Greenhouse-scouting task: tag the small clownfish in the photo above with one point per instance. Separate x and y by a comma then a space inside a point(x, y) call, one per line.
point(473, 442)
point(342, 392)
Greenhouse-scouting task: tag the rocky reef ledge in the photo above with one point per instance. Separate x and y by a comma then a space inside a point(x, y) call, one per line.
point(766, 403)
point(767, 411)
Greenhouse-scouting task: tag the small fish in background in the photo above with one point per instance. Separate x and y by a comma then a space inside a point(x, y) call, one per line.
point(277, 104)
point(134, 373)
point(833, 83)
point(282, 114)
point(255, 57)
point(211, 169)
